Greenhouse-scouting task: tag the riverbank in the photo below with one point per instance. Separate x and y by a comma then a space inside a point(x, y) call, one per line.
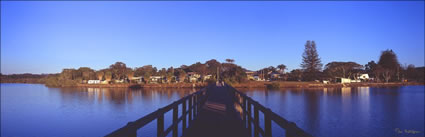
point(168, 85)
point(293, 84)
point(251, 84)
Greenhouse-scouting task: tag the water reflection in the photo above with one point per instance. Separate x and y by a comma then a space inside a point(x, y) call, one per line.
point(119, 97)
point(348, 111)
point(326, 112)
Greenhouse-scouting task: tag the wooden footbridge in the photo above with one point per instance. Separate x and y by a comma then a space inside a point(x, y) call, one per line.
point(217, 110)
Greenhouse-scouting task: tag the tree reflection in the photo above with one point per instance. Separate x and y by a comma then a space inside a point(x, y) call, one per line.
point(119, 97)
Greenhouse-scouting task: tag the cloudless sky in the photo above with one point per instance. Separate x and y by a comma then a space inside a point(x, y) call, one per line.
point(47, 36)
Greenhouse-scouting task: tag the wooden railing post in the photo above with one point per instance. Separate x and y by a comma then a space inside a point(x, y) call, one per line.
point(244, 112)
point(175, 120)
point(160, 125)
point(267, 123)
point(131, 131)
point(249, 117)
point(256, 122)
point(184, 116)
point(195, 104)
point(190, 110)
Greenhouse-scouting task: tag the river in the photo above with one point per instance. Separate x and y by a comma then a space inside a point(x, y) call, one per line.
point(37, 110)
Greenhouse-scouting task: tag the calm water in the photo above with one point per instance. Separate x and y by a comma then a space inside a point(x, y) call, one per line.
point(348, 112)
point(35, 110)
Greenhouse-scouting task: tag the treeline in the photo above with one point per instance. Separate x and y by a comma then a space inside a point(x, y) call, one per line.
point(386, 69)
point(23, 78)
point(120, 73)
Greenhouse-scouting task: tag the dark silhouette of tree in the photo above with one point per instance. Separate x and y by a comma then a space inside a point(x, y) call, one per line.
point(118, 70)
point(296, 75)
point(86, 73)
point(311, 64)
point(181, 74)
point(108, 75)
point(230, 60)
point(130, 74)
point(170, 74)
point(389, 63)
point(146, 72)
point(212, 66)
point(281, 68)
point(342, 69)
point(199, 68)
point(100, 75)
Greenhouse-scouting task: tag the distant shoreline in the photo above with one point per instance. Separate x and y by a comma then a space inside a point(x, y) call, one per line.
point(293, 84)
point(251, 84)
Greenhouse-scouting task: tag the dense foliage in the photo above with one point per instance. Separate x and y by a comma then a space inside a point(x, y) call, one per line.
point(387, 69)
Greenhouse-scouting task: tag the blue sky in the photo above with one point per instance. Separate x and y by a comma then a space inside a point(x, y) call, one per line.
point(45, 37)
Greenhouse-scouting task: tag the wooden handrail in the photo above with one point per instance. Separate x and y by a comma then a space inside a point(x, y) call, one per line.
point(196, 100)
point(246, 103)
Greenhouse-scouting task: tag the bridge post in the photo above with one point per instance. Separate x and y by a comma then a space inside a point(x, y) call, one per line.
point(244, 111)
point(256, 122)
point(175, 120)
point(184, 116)
point(249, 117)
point(190, 110)
point(195, 104)
point(267, 123)
point(160, 125)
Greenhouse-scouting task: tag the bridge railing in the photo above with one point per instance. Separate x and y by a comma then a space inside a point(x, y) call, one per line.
point(191, 105)
point(247, 104)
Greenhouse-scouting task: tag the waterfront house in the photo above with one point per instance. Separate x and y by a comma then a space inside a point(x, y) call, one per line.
point(93, 82)
point(156, 79)
point(104, 82)
point(193, 76)
point(274, 75)
point(250, 75)
point(137, 79)
point(119, 81)
point(363, 77)
point(206, 77)
point(258, 78)
point(343, 80)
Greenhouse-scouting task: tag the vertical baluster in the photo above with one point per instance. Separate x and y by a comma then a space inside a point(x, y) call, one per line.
point(267, 123)
point(190, 110)
point(184, 116)
point(175, 120)
point(244, 111)
point(249, 117)
point(256, 122)
point(160, 125)
point(195, 104)
point(131, 130)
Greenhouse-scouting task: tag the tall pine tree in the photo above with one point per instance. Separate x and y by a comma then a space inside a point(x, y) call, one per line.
point(311, 64)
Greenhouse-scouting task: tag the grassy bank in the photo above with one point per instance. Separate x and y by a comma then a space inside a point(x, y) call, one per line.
point(292, 84)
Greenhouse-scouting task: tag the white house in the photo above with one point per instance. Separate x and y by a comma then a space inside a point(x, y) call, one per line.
point(258, 78)
point(193, 77)
point(343, 80)
point(363, 77)
point(93, 82)
point(206, 77)
point(137, 79)
point(156, 79)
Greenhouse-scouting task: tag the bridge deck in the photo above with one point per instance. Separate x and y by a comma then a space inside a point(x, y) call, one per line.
point(218, 117)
